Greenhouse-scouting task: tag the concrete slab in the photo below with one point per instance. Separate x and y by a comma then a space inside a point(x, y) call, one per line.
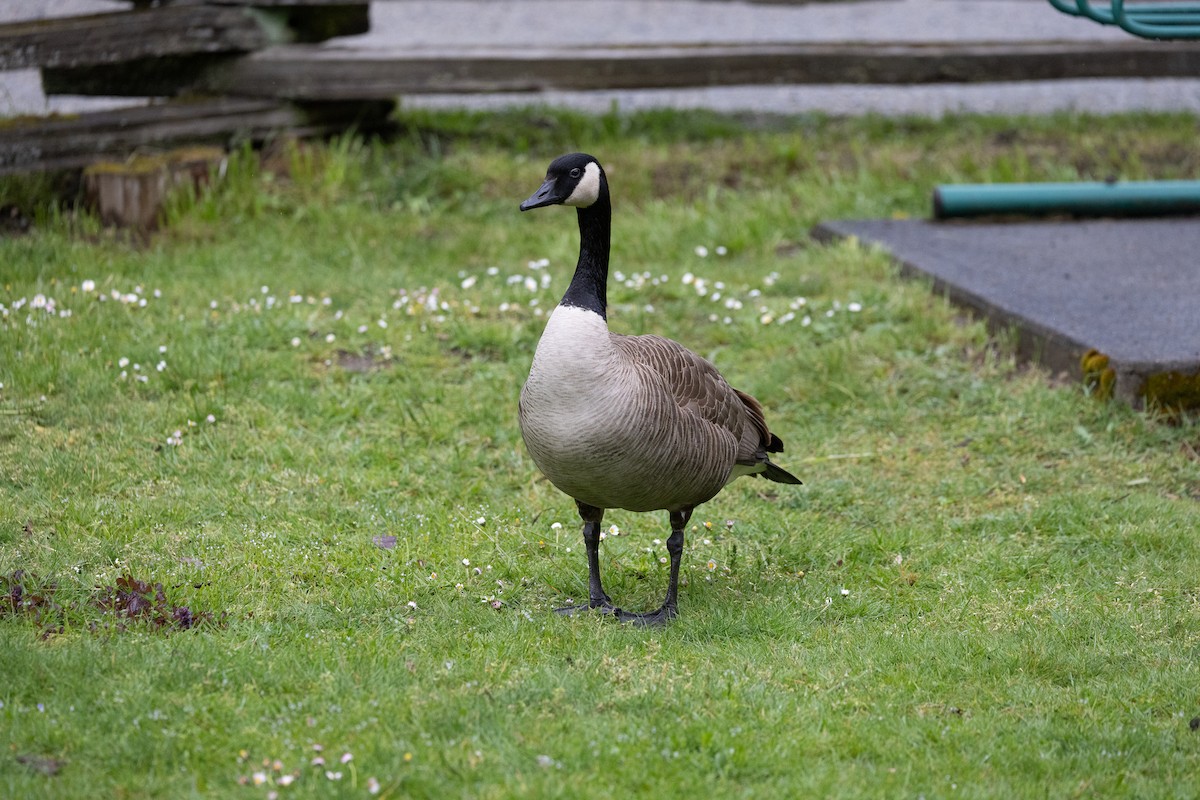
point(1128, 289)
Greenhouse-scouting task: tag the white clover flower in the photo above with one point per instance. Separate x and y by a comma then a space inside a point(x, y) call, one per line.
point(701, 251)
point(721, 250)
point(854, 307)
point(88, 286)
point(467, 283)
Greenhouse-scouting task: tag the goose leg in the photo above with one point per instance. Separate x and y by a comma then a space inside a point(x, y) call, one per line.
point(592, 517)
point(669, 609)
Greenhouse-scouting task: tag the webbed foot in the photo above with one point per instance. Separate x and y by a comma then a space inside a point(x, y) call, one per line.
point(651, 619)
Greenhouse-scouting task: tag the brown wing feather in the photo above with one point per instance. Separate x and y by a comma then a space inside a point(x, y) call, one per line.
point(700, 389)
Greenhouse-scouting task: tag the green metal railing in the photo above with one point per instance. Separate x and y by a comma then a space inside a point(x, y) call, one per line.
point(1148, 20)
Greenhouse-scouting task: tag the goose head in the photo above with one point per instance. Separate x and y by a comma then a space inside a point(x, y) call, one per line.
point(575, 179)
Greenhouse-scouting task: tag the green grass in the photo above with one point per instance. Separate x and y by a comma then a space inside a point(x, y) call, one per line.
point(987, 586)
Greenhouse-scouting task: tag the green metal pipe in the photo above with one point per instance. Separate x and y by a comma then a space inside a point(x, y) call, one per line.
point(1116, 198)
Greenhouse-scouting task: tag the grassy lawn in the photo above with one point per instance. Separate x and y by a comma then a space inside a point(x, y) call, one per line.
point(295, 409)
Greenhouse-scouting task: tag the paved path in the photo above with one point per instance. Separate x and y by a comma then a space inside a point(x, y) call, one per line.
point(429, 24)
point(516, 23)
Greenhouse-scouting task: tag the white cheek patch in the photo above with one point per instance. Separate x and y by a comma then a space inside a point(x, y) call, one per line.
point(587, 191)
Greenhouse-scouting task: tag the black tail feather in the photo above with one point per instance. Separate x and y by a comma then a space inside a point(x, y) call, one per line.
point(779, 475)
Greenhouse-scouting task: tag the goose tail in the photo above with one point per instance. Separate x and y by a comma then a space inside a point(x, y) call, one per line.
point(778, 474)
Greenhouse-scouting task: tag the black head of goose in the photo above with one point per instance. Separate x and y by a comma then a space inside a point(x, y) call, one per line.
point(633, 422)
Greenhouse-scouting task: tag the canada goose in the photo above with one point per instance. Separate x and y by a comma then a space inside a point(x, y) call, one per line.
point(633, 422)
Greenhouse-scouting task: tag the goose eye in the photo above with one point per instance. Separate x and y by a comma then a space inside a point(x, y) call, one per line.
point(575, 173)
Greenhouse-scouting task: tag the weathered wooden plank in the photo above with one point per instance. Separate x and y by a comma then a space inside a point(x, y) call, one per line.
point(52, 143)
point(159, 76)
point(177, 29)
point(127, 35)
point(316, 74)
point(307, 20)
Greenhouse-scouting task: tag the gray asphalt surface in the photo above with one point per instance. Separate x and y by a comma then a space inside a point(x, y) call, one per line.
point(429, 24)
point(1125, 287)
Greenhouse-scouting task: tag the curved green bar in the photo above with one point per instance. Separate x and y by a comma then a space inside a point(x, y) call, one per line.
point(1149, 20)
point(1177, 26)
point(1119, 198)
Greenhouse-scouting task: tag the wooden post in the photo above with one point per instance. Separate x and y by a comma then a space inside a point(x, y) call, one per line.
point(131, 194)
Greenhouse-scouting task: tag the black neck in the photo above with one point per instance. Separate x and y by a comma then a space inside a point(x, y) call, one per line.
point(589, 284)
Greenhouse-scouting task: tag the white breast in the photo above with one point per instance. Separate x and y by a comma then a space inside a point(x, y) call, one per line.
point(572, 386)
